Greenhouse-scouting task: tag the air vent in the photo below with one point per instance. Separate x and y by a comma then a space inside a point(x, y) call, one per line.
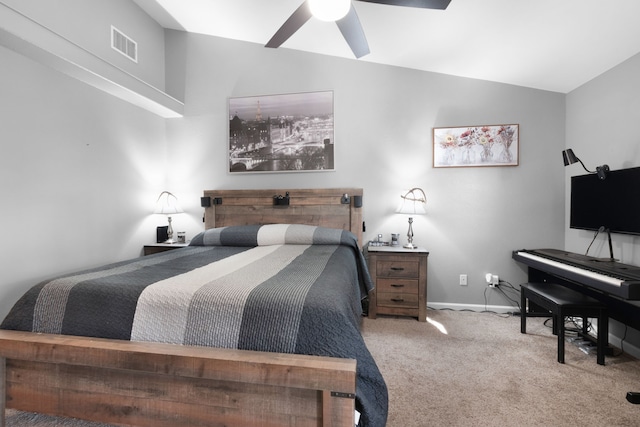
point(124, 44)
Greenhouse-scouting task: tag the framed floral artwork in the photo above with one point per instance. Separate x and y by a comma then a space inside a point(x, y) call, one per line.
point(281, 133)
point(467, 146)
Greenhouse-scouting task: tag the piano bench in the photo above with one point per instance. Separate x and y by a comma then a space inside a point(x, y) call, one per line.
point(563, 302)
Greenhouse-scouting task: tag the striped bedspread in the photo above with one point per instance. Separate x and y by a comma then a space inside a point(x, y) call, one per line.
point(279, 288)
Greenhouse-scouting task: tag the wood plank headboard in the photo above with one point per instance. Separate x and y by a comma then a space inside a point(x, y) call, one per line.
point(326, 207)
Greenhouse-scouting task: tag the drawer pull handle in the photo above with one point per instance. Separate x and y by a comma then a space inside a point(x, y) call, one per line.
point(397, 268)
point(397, 300)
point(397, 285)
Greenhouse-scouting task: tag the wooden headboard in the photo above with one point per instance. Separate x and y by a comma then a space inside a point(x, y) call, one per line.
point(326, 207)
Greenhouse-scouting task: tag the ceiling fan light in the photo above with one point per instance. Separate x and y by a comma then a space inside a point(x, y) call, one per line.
point(329, 10)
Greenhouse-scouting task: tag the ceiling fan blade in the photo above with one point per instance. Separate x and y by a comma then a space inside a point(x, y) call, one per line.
point(291, 25)
point(353, 33)
point(424, 4)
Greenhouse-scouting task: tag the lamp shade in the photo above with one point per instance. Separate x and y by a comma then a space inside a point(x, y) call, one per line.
point(568, 157)
point(414, 202)
point(167, 204)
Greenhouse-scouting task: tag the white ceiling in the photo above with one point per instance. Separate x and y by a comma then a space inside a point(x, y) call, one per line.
point(554, 45)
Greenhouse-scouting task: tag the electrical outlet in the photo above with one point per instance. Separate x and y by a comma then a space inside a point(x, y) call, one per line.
point(493, 280)
point(463, 280)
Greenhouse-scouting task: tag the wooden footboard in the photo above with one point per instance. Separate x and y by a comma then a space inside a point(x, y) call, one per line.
point(166, 385)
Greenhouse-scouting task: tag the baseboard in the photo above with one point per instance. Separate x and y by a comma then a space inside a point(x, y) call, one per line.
point(473, 307)
point(629, 348)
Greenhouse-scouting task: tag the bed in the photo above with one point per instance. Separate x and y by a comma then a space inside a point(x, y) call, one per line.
point(256, 322)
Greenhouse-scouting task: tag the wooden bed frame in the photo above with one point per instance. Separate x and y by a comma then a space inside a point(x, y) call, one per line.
point(324, 207)
point(168, 385)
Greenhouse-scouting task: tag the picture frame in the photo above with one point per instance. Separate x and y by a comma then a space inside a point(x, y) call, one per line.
point(476, 146)
point(282, 133)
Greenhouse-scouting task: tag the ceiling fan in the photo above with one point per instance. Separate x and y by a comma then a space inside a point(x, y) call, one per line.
point(348, 24)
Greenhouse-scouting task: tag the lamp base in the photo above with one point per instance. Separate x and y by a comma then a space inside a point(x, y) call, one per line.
point(170, 233)
point(409, 244)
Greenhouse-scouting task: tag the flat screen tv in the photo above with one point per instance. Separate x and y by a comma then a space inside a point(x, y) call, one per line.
point(612, 203)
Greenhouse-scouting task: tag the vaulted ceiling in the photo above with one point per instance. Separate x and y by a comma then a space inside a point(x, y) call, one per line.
point(555, 45)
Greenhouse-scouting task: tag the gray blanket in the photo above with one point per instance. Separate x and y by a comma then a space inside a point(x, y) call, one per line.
point(279, 288)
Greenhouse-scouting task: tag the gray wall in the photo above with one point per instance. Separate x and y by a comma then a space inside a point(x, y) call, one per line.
point(601, 119)
point(79, 177)
point(88, 25)
point(384, 118)
point(84, 168)
point(81, 169)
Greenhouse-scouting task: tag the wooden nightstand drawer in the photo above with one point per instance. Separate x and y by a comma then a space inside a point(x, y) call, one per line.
point(404, 286)
point(386, 299)
point(400, 279)
point(162, 247)
point(394, 268)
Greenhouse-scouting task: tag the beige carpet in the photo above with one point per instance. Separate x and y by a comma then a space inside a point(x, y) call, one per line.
point(483, 372)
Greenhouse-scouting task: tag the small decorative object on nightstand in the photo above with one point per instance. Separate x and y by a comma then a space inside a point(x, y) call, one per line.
point(162, 247)
point(400, 279)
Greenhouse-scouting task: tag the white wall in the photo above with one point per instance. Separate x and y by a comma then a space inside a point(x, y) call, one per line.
point(383, 122)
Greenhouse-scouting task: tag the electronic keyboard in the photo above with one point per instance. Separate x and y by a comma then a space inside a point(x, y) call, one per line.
point(602, 274)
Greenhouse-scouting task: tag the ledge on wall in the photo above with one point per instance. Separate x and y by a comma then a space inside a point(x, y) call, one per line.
point(25, 36)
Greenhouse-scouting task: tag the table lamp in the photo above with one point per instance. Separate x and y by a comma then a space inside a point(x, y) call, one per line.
point(413, 202)
point(167, 204)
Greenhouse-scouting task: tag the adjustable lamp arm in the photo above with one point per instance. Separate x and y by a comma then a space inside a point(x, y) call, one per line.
point(583, 166)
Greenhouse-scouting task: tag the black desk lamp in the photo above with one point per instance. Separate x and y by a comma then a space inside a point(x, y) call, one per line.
point(570, 158)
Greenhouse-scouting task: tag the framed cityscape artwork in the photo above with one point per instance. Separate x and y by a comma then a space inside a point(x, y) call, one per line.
point(490, 145)
point(281, 133)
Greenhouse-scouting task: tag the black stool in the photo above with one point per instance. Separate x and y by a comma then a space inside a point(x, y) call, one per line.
point(562, 302)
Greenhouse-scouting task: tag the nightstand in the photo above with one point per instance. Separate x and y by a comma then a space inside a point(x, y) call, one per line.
point(400, 279)
point(161, 247)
